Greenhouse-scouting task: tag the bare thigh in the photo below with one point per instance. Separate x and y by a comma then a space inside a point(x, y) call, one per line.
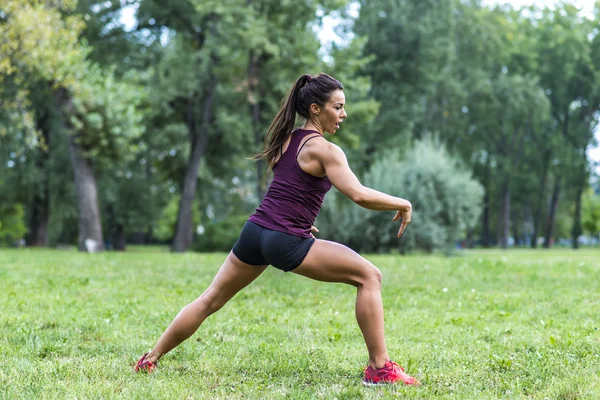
point(233, 276)
point(333, 262)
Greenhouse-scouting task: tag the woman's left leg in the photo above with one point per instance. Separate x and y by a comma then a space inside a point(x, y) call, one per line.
point(333, 262)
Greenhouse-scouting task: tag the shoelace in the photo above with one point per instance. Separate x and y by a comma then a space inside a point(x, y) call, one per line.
point(394, 364)
point(389, 366)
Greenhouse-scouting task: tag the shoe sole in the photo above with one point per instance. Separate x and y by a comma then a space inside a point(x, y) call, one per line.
point(371, 384)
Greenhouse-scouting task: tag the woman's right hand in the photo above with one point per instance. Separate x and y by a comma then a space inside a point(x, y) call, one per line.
point(406, 216)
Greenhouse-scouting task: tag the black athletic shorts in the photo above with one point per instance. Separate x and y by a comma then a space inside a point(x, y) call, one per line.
point(261, 246)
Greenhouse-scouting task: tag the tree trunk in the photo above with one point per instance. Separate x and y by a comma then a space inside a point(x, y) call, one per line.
point(254, 102)
point(469, 239)
point(116, 229)
point(90, 226)
point(515, 223)
point(485, 215)
point(40, 213)
point(505, 216)
point(198, 139)
point(486, 220)
point(118, 238)
point(40, 207)
point(527, 225)
point(537, 217)
point(576, 231)
point(552, 214)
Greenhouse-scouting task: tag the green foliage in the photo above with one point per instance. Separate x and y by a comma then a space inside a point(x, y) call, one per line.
point(165, 225)
point(220, 235)
point(51, 48)
point(48, 50)
point(590, 207)
point(514, 92)
point(102, 110)
point(12, 223)
point(104, 32)
point(106, 116)
point(414, 67)
point(132, 199)
point(347, 65)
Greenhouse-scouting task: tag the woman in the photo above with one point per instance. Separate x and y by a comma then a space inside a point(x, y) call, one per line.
point(279, 233)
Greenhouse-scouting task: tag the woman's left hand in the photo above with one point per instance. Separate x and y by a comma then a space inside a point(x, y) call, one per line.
point(313, 229)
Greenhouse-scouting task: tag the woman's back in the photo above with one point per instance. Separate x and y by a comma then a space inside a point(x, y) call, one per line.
point(294, 197)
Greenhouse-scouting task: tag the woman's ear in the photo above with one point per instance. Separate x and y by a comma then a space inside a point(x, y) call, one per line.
point(315, 109)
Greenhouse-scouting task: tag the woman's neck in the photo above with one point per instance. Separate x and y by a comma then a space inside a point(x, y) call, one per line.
point(310, 126)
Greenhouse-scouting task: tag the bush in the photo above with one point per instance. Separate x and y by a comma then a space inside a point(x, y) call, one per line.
point(220, 236)
point(446, 202)
point(12, 225)
point(591, 212)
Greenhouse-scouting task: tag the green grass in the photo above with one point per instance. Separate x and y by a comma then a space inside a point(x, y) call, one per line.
point(481, 325)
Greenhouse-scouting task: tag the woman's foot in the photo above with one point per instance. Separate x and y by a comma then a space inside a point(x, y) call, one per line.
point(390, 373)
point(145, 364)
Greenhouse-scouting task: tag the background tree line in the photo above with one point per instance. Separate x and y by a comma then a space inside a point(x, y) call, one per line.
point(481, 116)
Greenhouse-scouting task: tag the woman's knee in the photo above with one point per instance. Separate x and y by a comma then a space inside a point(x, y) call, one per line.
point(371, 277)
point(213, 300)
point(375, 276)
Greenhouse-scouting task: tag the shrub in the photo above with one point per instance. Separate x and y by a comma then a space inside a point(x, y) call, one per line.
point(446, 201)
point(591, 212)
point(12, 225)
point(220, 236)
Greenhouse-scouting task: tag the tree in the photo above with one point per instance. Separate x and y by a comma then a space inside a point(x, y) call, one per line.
point(99, 112)
point(571, 78)
point(237, 55)
point(412, 69)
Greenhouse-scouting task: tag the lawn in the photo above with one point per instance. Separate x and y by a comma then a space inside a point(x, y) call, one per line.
point(478, 325)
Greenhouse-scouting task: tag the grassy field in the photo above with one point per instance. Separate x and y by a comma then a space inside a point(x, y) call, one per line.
point(479, 325)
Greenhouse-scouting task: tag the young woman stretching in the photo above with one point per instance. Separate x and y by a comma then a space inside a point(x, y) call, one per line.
point(305, 166)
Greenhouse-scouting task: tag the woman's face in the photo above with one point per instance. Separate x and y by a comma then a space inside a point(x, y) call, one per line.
point(333, 113)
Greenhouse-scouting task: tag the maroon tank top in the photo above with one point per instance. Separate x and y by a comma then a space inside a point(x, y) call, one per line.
point(294, 198)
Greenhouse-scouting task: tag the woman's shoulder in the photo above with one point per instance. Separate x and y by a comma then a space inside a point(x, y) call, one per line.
point(321, 148)
point(315, 141)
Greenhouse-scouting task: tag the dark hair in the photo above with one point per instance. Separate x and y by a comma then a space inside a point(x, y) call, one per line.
point(306, 91)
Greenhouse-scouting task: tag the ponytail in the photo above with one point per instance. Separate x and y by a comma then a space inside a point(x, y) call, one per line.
point(283, 123)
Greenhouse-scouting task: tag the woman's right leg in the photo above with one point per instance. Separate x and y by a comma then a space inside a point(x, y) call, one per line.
point(232, 277)
point(332, 262)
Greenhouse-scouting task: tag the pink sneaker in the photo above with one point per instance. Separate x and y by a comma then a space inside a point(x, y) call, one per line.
point(145, 365)
point(391, 373)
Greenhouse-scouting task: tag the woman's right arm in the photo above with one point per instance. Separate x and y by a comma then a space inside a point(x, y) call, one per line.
point(341, 176)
